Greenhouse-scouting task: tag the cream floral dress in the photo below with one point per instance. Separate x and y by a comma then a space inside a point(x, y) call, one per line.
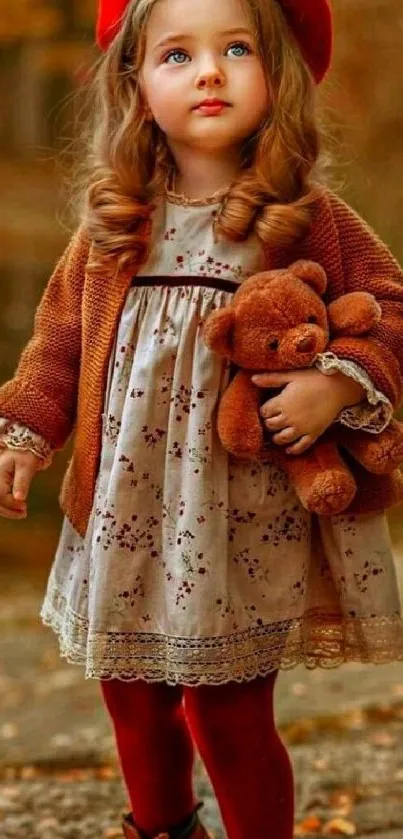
point(196, 568)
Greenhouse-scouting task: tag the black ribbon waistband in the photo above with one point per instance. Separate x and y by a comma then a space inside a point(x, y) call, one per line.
point(169, 280)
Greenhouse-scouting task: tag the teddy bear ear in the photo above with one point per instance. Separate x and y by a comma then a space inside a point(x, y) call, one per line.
point(354, 313)
point(218, 331)
point(310, 273)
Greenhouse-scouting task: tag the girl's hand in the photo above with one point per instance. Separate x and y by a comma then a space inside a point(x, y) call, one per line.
point(17, 468)
point(308, 404)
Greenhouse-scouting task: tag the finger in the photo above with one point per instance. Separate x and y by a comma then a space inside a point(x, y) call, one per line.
point(271, 408)
point(276, 423)
point(301, 445)
point(8, 502)
point(273, 379)
point(22, 480)
point(287, 435)
point(6, 481)
point(12, 514)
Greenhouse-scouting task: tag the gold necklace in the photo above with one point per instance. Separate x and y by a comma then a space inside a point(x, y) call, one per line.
point(180, 198)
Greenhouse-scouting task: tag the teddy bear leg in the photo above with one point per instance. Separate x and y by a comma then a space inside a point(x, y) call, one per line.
point(321, 479)
point(380, 453)
point(239, 424)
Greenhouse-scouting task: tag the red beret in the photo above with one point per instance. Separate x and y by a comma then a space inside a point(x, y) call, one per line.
point(310, 21)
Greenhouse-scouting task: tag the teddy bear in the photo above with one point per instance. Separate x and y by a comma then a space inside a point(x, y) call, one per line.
point(277, 320)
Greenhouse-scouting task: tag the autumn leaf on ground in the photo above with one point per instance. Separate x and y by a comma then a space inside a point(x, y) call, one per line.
point(309, 825)
point(105, 773)
point(339, 827)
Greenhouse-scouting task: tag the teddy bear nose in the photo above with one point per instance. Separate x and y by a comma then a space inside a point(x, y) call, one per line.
point(306, 344)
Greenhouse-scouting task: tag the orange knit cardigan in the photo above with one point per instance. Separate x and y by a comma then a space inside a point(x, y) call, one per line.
point(59, 384)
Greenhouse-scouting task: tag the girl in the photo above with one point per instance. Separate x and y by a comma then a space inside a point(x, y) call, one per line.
point(184, 580)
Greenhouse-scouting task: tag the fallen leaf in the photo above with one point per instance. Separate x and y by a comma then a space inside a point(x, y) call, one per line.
point(106, 772)
point(309, 825)
point(340, 827)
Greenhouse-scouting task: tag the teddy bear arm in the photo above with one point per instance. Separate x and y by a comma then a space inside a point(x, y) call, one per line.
point(353, 314)
point(217, 331)
point(380, 454)
point(239, 425)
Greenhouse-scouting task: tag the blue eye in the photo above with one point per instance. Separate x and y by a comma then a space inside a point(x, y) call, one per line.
point(240, 46)
point(172, 53)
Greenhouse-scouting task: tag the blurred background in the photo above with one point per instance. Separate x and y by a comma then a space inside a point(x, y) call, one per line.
point(46, 55)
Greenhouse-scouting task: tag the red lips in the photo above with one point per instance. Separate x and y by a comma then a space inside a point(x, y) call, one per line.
point(211, 103)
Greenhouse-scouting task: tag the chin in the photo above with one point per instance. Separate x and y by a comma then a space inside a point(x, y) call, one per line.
point(213, 140)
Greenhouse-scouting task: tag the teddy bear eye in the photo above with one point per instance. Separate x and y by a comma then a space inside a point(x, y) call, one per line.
point(273, 345)
point(312, 319)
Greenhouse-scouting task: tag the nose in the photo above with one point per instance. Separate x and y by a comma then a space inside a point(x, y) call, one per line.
point(306, 344)
point(210, 76)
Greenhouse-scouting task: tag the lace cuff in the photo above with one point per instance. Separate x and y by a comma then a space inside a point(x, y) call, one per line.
point(13, 435)
point(372, 414)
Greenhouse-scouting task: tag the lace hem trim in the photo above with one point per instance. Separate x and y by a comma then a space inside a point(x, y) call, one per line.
point(372, 415)
point(318, 639)
point(14, 435)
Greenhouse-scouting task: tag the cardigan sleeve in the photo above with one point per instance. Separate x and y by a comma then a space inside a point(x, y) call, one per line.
point(18, 437)
point(374, 412)
point(43, 391)
point(368, 265)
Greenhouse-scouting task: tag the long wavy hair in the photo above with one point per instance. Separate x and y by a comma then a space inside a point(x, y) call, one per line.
point(127, 158)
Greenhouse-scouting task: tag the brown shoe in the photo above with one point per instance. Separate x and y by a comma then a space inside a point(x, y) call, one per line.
point(130, 831)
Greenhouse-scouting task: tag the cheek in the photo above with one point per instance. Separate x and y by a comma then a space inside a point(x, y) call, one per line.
point(253, 100)
point(168, 106)
point(161, 107)
point(164, 95)
point(258, 97)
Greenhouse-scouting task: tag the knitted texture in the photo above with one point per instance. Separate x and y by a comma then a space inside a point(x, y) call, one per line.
point(43, 393)
point(60, 381)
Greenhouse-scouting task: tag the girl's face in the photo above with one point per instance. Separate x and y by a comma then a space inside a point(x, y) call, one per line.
point(203, 50)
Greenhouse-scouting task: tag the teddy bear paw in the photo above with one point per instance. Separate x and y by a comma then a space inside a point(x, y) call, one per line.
point(243, 442)
point(382, 454)
point(329, 493)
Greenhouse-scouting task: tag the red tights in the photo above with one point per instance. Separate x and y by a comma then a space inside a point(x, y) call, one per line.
point(233, 728)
